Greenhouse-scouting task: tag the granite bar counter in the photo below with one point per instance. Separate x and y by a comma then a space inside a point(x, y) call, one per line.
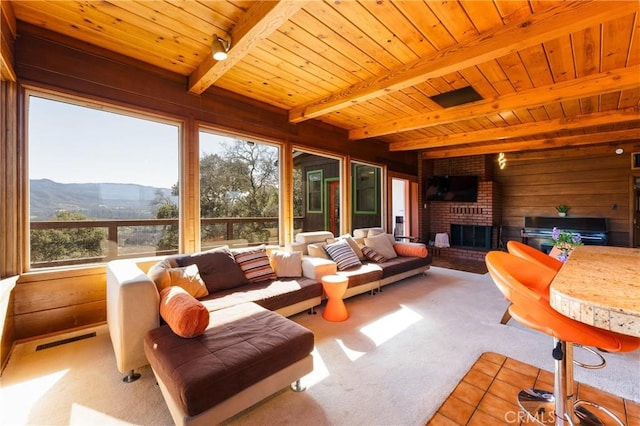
point(600, 286)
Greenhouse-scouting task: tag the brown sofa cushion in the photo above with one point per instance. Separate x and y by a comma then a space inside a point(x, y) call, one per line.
point(217, 267)
point(243, 345)
point(184, 314)
point(402, 264)
point(271, 295)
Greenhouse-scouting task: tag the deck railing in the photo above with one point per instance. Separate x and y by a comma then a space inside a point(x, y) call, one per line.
point(126, 238)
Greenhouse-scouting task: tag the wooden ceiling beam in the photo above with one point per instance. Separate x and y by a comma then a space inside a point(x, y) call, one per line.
point(591, 85)
point(521, 130)
point(547, 25)
point(8, 33)
point(545, 143)
point(260, 21)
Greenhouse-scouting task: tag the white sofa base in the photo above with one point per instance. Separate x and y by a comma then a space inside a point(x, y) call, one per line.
point(242, 400)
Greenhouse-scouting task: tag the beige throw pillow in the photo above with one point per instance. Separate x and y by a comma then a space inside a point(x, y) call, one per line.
point(354, 246)
point(317, 250)
point(287, 263)
point(188, 277)
point(381, 244)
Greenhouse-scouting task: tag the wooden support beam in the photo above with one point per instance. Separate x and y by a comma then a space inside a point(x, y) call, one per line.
point(547, 25)
point(538, 144)
point(521, 130)
point(262, 19)
point(591, 85)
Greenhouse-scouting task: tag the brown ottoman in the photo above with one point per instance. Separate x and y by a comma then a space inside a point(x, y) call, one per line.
point(246, 354)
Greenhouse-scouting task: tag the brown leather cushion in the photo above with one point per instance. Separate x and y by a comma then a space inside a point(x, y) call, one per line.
point(217, 267)
point(243, 345)
point(185, 315)
point(402, 264)
point(271, 295)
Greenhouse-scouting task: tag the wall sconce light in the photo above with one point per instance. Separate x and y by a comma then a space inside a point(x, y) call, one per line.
point(220, 47)
point(619, 151)
point(502, 161)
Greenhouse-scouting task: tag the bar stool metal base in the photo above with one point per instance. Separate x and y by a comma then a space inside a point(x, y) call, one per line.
point(540, 406)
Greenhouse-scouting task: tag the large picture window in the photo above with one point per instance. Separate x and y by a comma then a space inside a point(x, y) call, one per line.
point(366, 192)
point(102, 184)
point(239, 191)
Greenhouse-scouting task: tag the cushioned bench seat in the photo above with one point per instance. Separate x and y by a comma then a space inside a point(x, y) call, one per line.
point(244, 345)
point(272, 295)
point(400, 264)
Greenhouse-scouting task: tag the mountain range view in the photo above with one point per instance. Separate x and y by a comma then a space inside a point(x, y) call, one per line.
point(94, 200)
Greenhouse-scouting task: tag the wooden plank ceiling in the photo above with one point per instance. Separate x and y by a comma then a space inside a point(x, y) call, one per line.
point(549, 74)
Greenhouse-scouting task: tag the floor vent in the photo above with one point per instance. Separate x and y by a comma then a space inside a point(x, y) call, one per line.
point(65, 341)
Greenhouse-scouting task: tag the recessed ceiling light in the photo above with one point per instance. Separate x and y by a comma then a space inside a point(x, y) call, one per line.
point(619, 151)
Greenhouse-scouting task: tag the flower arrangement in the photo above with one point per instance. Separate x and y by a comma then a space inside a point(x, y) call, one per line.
point(565, 242)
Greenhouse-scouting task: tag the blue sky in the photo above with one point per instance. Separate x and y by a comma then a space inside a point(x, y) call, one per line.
point(71, 144)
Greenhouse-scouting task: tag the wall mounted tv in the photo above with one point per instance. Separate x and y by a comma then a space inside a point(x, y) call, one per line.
point(459, 189)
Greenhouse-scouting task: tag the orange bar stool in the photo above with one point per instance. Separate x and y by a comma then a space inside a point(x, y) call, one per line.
point(517, 280)
point(533, 255)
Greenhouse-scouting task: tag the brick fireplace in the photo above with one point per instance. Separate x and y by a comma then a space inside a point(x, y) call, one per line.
point(472, 227)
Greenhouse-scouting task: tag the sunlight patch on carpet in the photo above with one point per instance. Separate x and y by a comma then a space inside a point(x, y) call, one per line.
point(18, 399)
point(350, 353)
point(391, 325)
point(320, 370)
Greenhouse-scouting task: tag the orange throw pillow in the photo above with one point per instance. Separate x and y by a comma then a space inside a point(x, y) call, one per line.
point(411, 249)
point(185, 315)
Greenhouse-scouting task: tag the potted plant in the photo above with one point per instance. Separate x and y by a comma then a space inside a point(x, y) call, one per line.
point(565, 242)
point(562, 210)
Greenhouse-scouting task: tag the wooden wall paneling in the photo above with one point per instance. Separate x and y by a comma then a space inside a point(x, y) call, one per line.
point(65, 318)
point(10, 209)
point(592, 185)
point(52, 302)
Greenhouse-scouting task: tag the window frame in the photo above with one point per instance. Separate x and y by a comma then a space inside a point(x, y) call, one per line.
point(101, 105)
point(318, 192)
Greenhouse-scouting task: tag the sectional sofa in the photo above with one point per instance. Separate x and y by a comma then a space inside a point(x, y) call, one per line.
point(245, 348)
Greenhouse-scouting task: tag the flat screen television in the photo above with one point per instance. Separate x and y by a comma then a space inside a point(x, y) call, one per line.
point(459, 189)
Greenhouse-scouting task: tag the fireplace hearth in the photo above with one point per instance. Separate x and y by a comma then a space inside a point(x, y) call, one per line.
point(471, 236)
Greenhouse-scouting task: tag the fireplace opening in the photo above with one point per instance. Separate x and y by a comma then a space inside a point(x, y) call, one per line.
point(471, 236)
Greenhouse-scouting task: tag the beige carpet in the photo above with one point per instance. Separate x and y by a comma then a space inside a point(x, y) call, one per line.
point(393, 362)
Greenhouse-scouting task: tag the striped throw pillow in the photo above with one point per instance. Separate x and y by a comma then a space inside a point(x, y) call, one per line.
point(254, 262)
point(342, 253)
point(373, 255)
